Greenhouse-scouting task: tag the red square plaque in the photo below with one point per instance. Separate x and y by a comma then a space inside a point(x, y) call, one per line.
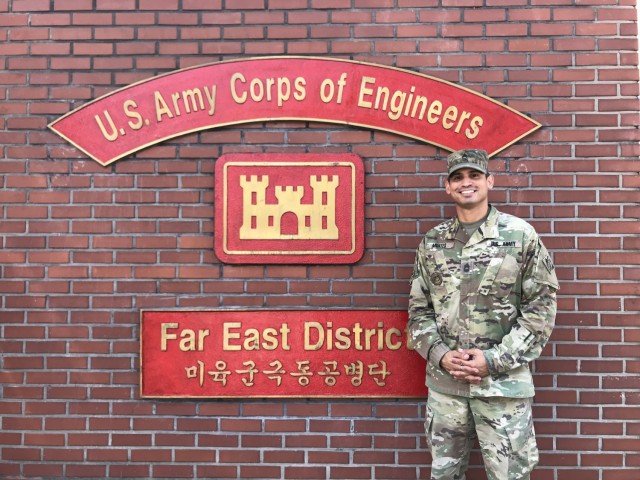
point(289, 208)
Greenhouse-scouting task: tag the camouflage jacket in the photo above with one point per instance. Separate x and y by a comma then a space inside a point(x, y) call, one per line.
point(495, 291)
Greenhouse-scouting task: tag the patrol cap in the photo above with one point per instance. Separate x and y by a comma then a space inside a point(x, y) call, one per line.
point(471, 158)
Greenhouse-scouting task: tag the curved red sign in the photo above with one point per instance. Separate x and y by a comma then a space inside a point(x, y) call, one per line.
point(291, 88)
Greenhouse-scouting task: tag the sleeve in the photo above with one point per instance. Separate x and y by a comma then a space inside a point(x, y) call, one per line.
point(536, 314)
point(422, 331)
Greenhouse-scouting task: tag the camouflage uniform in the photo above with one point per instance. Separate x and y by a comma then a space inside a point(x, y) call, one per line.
point(494, 291)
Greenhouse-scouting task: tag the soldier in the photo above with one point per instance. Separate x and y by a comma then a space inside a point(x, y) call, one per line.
point(482, 307)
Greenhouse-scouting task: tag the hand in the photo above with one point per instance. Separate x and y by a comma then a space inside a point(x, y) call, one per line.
point(455, 363)
point(466, 365)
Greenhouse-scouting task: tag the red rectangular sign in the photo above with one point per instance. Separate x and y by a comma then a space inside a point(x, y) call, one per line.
point(278, 353)
point(289, 208)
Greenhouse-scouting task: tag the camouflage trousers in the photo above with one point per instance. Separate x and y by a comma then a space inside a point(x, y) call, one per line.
point(503, 427)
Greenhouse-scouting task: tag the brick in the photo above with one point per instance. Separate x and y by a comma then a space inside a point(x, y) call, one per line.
point(43, 470)
point(31, 5)
point(21, 454)
point(233, 456)
point(351, 472)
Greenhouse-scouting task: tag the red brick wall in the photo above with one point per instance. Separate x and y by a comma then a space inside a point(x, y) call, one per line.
point(84, 248)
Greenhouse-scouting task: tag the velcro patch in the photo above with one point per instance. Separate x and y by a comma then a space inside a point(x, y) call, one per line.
point(548, 263)
point(440, 245)
point(506, 243)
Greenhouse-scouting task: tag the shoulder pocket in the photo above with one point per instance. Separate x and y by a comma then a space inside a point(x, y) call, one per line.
point(500, 276)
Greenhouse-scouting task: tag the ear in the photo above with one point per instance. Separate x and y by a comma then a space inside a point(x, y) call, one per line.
point(447, 187)
point(490, 180)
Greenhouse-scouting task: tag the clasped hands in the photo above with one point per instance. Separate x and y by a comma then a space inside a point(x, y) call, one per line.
point(466, 365)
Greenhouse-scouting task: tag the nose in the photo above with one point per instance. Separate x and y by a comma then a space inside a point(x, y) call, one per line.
point(466, 180)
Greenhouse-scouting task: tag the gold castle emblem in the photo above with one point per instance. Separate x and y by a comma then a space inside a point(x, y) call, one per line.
point(313, 221)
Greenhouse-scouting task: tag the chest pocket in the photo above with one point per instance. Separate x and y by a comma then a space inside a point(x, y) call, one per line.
point(440, 278)
point(500, 276)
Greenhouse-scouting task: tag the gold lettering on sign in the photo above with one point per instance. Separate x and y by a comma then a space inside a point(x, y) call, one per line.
point(234, 339)
point(191, 340)
point(318, 336)
point(329, 372)
point(399, 103)
point(264, 221)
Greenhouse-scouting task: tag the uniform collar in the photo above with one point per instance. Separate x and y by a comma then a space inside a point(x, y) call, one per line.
point(488, 229)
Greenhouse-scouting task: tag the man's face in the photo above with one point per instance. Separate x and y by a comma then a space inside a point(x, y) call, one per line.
point(469, 188)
